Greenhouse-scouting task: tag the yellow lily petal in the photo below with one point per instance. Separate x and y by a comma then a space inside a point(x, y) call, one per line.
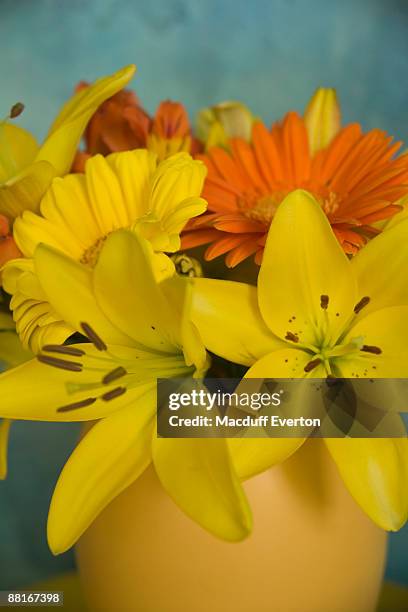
point(302, 262)
point(4, 436)
point(198, 475)
point(387, 330)
point(108, 459)
point(68, 287)
point(61, 144)
point(322, 118)
point(43, 389)
point(24, 188)
point(24, 191)
point(375, 472)
point(142, 310)
point(252, 456)
point(18, 149)
point(179, 294)
point(227, 316)
point(373, 274)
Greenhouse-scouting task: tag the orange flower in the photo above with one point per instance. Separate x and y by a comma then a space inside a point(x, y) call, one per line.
point(356, 178)
point(8, 248)
point(121, 124)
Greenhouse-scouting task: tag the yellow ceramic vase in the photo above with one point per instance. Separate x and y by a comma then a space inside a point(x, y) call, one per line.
point(312, 549)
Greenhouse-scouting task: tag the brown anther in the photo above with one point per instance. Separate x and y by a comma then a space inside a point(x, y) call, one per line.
point(291, 336)
point(363, 302)
point(62, 364)
point(371, 349)
point(114, 375)
point(93, 337)
point(16, 110)
point(75, 405)
point(312, 365)
point(64, 350)
point(110, 395)
point(324, 301)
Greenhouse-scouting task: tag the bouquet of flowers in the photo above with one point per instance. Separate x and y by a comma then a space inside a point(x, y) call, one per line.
point(109, 230)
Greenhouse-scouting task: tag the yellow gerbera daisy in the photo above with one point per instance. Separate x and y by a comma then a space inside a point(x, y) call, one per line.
point(78, 212)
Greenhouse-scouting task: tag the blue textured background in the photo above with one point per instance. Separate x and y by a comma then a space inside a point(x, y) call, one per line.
point(269, 53)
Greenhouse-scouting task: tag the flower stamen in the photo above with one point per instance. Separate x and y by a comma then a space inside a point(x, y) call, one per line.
point(312, 365)
point(118, 372)
point(65, 350)
point(62, 364)
point(93, 337)
point(375, 350)
point(360, 305)
point(110, 395)
point(75, 405)
point(324, 301)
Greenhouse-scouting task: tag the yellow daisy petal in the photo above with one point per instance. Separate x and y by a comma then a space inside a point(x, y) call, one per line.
point(134, 170)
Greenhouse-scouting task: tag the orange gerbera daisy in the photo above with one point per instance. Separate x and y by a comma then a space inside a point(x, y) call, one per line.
point(121, 124)
point(356, 177)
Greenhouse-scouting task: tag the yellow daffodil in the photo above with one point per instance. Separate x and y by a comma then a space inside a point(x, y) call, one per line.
point(11, 354)
point(140, 330)
point(317, 313)
point(216, 124)
point(26, 169)
point(78, 212)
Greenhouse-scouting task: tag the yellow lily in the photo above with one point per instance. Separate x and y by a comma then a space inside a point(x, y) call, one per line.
point(11, 354)
point(316, 313)
point(123, 190)
point(27, 169)
point(141, 330)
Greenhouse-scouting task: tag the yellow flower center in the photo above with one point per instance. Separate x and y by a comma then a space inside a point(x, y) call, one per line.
point(326, 352)
point(263, 208)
